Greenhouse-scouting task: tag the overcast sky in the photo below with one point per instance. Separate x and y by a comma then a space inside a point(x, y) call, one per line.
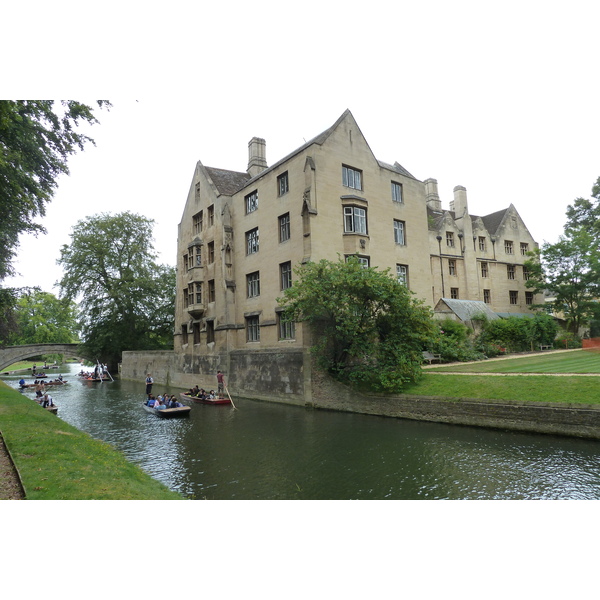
point(502, 99)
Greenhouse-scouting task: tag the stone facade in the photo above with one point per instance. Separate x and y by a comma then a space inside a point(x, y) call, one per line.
point(479, 258)
point(242, 234)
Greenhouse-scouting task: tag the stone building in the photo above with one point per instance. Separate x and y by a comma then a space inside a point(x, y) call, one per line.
point(242, 234)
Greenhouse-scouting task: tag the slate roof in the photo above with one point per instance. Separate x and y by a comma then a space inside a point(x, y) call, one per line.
point(491, 221)
point(465, 310)
point(227, 182)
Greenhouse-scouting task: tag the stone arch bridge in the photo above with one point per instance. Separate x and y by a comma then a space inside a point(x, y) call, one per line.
point(13, 354)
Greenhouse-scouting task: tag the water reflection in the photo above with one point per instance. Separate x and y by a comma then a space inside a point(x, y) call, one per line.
point(271, 451)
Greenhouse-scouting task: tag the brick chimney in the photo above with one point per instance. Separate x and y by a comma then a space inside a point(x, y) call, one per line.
point(257, 156)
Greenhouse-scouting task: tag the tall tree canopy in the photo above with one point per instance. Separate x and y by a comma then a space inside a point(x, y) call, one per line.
point(42, 318)
point(36, 139)
point(569, 270)
point(367, 327)
point(127, 301)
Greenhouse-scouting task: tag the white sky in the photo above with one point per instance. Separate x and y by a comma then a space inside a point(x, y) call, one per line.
point(502, 99)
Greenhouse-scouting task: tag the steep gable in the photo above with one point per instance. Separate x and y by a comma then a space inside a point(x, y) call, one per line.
point(227, 182)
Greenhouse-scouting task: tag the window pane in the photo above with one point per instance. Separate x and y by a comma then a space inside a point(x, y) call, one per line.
point(360, 220)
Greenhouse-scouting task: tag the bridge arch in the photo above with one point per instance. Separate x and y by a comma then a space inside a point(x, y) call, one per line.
point(13, 354)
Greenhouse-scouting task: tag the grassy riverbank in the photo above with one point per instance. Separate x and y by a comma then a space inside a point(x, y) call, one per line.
point(561, 377)
point(56, 461)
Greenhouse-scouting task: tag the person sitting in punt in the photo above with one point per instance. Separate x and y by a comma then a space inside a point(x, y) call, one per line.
point(159, 404)
point(21, 383)
point(151, 400)
point(174, 403)
point(47, 401)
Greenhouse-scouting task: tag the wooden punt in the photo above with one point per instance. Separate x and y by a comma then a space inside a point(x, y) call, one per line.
point(166, 413)
point(46, 383)
point(205, 400)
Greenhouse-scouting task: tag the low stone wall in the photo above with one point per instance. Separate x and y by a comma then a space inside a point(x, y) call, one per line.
point(570, 420)
point(273, 375)
point(290, 377)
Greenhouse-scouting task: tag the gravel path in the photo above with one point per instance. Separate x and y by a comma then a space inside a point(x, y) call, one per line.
point(10, 485)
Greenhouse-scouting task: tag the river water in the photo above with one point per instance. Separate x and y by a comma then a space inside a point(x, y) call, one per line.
point(272, 451)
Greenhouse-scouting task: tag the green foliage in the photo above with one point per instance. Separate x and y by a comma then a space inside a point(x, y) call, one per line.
point(127, 301)
point(367, 329)
point(453, 342)
point(570, 269)
point(8, 321)
point(568, 340)
point(36, 139)
point(42, 318)
point(517, 334)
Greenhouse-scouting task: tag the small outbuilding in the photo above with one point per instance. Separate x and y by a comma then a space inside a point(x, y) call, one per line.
point(468, 312)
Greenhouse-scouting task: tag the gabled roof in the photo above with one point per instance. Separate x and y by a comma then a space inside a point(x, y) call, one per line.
point(494, 220)
point(396, 167)
point(227, 182)
point(465, 310)
point(230, 182)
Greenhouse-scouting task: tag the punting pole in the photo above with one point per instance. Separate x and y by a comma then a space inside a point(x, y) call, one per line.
point(230, 399)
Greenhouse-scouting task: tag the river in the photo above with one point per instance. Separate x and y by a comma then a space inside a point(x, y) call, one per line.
point(272, 451)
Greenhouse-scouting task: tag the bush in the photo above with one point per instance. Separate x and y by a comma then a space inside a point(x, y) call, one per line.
point(566, 339)
point(517, 334)
point(453, 343)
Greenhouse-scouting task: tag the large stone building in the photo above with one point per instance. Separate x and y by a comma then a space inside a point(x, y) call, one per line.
point(242, 234)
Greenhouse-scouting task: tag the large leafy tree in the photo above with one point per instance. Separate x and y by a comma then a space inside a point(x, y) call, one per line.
point(569, 270)
point(36, 139)
point(366, 327)
point(8, 321)
point(126, 299)
point(42, 318)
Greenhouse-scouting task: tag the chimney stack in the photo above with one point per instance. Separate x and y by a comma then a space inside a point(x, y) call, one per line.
point(431, 194)
point(460, 202)
point(257, 156)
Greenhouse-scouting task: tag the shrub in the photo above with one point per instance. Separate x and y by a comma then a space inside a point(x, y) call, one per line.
point(567, 339)
point(453, 342)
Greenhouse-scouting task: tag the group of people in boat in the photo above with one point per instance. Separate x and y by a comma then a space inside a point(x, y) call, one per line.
point(40, 383)
point(97, 373)
point(162, 402)
point(197, 392)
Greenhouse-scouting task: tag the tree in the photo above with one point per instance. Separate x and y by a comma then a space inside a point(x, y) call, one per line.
point(8, 321)
point(367, 328)
point(42, 318)
point(126, 299)
point(36, 140)
point(585, 213)
point(570, 269)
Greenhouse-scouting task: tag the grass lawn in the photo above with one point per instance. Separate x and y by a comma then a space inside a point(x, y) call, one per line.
point(56, 461)
point(575, 361)
point(516, 385)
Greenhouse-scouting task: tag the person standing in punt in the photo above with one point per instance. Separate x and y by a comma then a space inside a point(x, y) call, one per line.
point(220, 384)
point(149, 382)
